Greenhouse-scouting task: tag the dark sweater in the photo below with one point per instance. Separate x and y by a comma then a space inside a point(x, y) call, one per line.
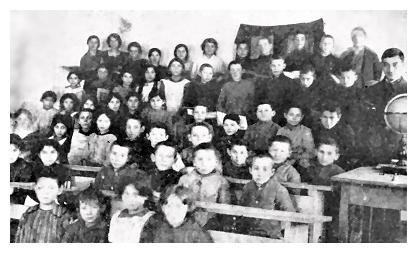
point(77, 232)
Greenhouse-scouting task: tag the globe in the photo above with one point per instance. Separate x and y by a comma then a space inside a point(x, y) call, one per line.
point(395, 114)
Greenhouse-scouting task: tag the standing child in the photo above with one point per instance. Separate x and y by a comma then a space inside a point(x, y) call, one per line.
point(231, 129)
point(263, 191)
point(134, 139)
point(78, 153)
point(92, 59)
point(115, 109)
point(90, 102)
point(199, 133)
point(155, 133)
point(47, 112)
point(181, 52)
point(325, 62)
point(126, 85)
point(156, 111)
point(89, 227)
point(62, 129)
point(127, 225)
point(101, 86)
point(69, 104)
point(261, 64)
point(154, 56)
point(74, 86)
point(150, 83)
point(209, 48)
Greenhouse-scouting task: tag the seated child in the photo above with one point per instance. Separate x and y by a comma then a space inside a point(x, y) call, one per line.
point(125, 87)
point(325, 62)
point(156, 111)
point(301, 53)
point(47, 221)
point(127, 224)
point(101, 86)
point(133, 137)
point(150, 83)
point(155, 133)
point(62, 128)
point(47, 112)
point(230, 130)
point(259, 133)
point(206, 180)
point(90, 102)
point(100, 143)
point(263, 191)
point(69, 104)
point(115, 108)
point(74, 86)
point(89, 227)
point(300, 136)
point(199, 133)
point(132, 104)
point(78, 153)
point(176, 223)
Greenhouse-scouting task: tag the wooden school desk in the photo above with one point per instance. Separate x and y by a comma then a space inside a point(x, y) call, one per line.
point(367, 188)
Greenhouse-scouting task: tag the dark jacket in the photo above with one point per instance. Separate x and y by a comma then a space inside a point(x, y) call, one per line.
point(77, 232)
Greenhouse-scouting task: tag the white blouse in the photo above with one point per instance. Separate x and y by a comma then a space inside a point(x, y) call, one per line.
point(174, 92)
point(127, 229)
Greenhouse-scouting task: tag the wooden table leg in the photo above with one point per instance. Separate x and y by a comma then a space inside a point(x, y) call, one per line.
point(344, 214)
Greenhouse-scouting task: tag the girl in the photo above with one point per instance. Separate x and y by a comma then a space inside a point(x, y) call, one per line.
point(74, 86)
point(149, 84)
point(127, 225)
point(181, 52)
point(114, 58)
point(175, 223)
point(209, 47)
point(80, 137)
point(61, 129)
point(156, 111)
point(69, 104)
point(132, 104)
point(25, 128)
point(173, 88)
point(100, 142)
point(126, 86)
point(115, 109)
point(89, 102)
point(154, 56)
point(92, 58)
point(135, 64)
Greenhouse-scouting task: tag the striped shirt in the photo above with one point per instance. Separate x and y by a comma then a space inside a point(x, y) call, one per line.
point(42, 226)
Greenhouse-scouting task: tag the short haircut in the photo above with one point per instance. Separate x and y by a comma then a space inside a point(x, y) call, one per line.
point(206, 65)
point(233, 117)
point(50, 143)
point(134, 44)
point(206, 146)
point(48, 173)
point(154, 50)
point(91, 194)
point(71, 96)
point(326, 140)
point(280, 138)
point(49, 94)
point(93, 37)
point(202, 124)
point(169, 143)
point(307, 68)
point(258, 154)
point(185, 194)
point(141, 187)
point(326, 36)
point(16, 140)
point(132, 94)
point(331, 106)
point(358, 29)
point(294, 105)
point(157, 125)
point(235, 141)
point(186, 50)
point(210, 40)
point(176, 60)
point(392, 52)
point(265, 37)
point(122, 143)
point(263, 102)
point(115, 36)
point(278, 57)
point(73, 73)
point(234, 62)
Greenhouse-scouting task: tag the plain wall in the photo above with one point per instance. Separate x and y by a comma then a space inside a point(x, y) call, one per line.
point(43, 41)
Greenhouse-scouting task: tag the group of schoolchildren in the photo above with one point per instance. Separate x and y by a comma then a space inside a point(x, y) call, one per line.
point(151, 130)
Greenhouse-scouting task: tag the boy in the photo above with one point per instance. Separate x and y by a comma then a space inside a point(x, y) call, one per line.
point(264, 192)
point(237, 95)
point(231, 129)
point(156, 112)
point(331, 126)
point(300, 55)
point(47, 221)
point(325, 62)
point(89, 227)
point(199, 133)
point(133, 137)
point(243, 54)
point(261, 65)
point(155, 133)
point(259, 133)
point(80, 138)
point(47, 112)
point(300, 136)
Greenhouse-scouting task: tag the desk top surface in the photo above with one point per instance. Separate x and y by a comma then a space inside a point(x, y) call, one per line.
point(371, 176)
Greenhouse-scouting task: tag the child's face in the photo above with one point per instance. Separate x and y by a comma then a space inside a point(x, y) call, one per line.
point(157, 135)
point(150, 74)
point(85, 119)
point(307, 79)
point(209, 49)
point(265, 46)
point(264, 112)
point(60, 130)
point(277, 66)
point(230, 127)
point(199, 134)
point(164, 157)
point(242, 50)
point(236, 72)
point(134, 52)
point(175, 210)
point(73, 79)
point(176, 68)
point(127, 79)
point(14, 153)
point(327, 154)
point(133, 129)
point(329, 119)
point(89, 105)
point(48, 155)
point(238, 154)
point(199, 113)
point(93, 44)
point(261, 170)
point(326, 46)
point(133, 103)
point(102, 73)
point(206, 74)
point(131, 199)
point(156, 103)
point(103, 123)
point(205, 161)
point(348, 78)
point(118, 156)
point(155, 58)
point(48, 103)
point(89, 211)
point(280, 151)
point(47, 190)
point(181, 53)
point(293, 116)
point(393, 67)
point(114, 104)
point(68, 104)
point(300, 41)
